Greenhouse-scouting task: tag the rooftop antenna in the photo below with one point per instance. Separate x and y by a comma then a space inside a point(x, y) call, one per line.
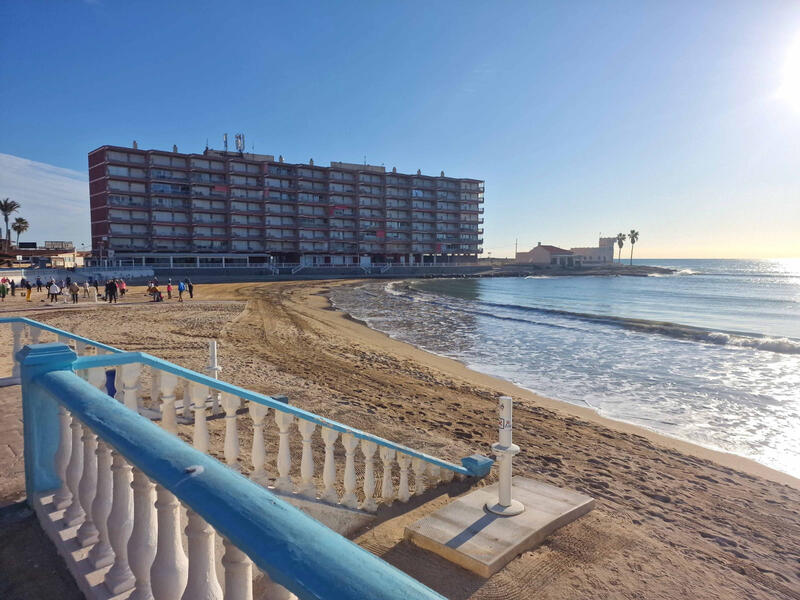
point(206, 143)
point(365, 160)
point(239, 142)
point(225, 141)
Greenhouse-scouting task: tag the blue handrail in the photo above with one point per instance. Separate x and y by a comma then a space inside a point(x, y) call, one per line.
point(119, 357)
point(88, 362)
point(295, 550)
point(61, 332)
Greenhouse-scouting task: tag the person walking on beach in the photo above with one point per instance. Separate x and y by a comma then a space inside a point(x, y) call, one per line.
point(169, 289)
point(111, 291)
point(13, 288)
point(28, 291)
point(53, 293)
point(3, 291)
point(190, 287)
point(96, 286)
point(85, 289)
point(181, 289)
point(38, 284)
point(74, 289)
point(123, 287)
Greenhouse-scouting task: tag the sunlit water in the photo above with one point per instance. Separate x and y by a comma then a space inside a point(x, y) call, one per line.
point(710, 354)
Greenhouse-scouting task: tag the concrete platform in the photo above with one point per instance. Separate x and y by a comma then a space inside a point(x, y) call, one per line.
point(465, 533)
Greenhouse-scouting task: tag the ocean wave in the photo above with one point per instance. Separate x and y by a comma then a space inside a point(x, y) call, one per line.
point(674, 330)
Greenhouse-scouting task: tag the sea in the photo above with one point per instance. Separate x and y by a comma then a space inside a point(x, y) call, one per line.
point(709, 354)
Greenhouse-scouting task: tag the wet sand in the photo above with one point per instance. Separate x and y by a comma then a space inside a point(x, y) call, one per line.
point(673, 520)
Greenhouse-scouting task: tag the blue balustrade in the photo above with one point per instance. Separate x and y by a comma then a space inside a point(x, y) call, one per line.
point(296, 551)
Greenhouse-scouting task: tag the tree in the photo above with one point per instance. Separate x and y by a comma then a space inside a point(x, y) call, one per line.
point(620, 242)
point(20, 225)
point(633, 236)
point(7, 207)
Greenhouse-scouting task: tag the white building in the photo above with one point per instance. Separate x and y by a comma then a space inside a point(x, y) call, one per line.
point(601, 255)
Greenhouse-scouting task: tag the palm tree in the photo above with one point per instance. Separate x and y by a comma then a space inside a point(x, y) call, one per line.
point(620, 242)
point(20, 225)
point(7, 207)
point(633, 236)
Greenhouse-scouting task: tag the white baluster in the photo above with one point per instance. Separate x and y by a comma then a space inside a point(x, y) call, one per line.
point(101, 554)
point(169, 419)
point(35, 334)
point(202, 577)
point(284, 422)
point(238, 573)
point(368, 449)
point(81, 348)
point(62, 339)
point(230, 403)
point(350, 444)
point(74, 513)
point(63, 496)
point(97, 377)
point(307, 487)
point(273, 591)
point(16, 331)
point(187, 401)
point(433, 473)
point(129, 382)
point(447, 475)
point(258, 413)
point(155, 388)
point(419, 466)
point(120, 524)
point(198, 393)
point(387, 487)
point(169, 571)
point(87, 533)
point(142, 543)
point(329, 494)
point(404, 460)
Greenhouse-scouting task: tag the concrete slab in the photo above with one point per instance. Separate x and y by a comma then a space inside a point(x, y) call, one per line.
point(465, 533)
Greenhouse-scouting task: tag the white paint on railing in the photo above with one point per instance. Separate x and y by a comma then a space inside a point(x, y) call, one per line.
point(368, 449)
point(307, 486)
point(74, 513)
point(143, 541)
point(387, 487)
point(419, 466)
point(167, 384)
point(230, 404)
point(169, 572)
point(284, 422)
point(63, 495)
point(258, 412)
point(198, 394)
point(238, 573)
point(350, 443)
point(129, 383)
point(403, 494)
point(329, 437)
point(202, 581)
point(87, 533)
point(101, 554)
point(120, 525)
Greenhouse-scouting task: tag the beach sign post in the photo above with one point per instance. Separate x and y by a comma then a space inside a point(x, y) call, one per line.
point(505, 450)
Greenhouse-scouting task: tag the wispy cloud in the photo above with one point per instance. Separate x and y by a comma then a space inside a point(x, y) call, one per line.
point(55, 201)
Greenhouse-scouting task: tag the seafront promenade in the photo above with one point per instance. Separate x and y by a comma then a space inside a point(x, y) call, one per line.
point(669, 520)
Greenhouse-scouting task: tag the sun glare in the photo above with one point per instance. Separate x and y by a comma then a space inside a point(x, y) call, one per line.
point(790, 76)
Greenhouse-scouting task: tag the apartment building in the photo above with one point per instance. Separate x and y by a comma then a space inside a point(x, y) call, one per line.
point(150, 206)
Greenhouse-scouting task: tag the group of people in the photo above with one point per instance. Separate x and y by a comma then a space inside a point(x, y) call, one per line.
point(184, 286)
point(112, 290)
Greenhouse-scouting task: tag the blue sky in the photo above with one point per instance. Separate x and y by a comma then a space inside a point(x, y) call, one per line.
point(582, 117)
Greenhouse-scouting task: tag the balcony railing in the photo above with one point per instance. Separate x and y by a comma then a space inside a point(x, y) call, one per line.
point(109, 482)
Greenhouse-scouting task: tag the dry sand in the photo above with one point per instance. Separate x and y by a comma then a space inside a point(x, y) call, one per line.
point(673, 520)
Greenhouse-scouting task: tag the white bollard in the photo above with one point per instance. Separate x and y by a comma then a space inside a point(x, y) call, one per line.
point(505, 451)
point(213, 370)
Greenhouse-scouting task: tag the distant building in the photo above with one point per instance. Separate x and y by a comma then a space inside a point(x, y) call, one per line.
point(601, 255)
point(236, 208)
point(544, 255)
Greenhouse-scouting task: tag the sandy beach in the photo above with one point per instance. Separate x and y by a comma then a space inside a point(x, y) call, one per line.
point(673, 520)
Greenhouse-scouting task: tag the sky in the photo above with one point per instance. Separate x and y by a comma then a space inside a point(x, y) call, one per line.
point(679, 119)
